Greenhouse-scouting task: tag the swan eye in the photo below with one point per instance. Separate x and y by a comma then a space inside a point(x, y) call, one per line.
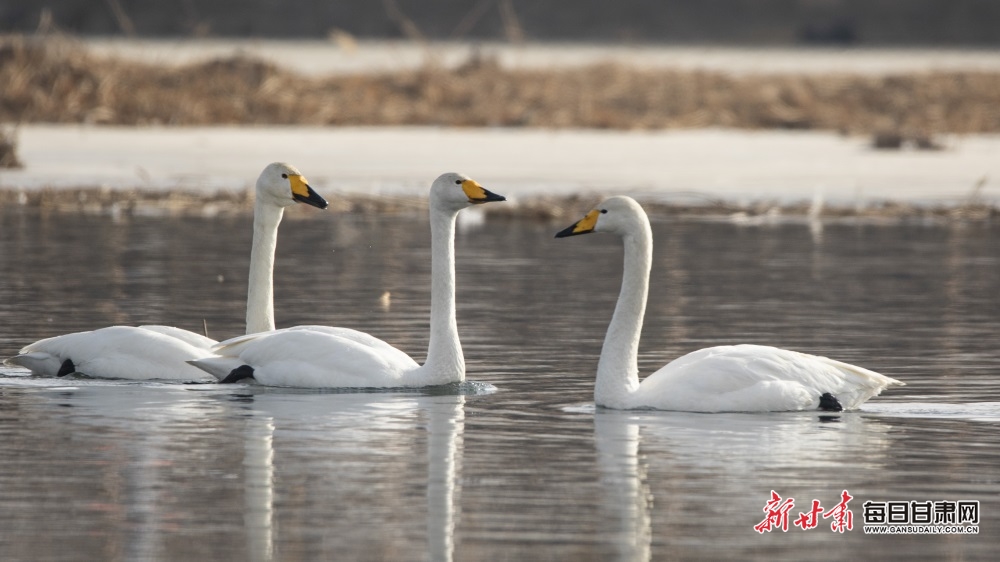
point(458, 182)
point(284, 176)
point(604, 211)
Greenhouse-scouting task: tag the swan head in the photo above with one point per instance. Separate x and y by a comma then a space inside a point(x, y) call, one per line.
point(454, 192)
point(284, 185)
point(620, 215)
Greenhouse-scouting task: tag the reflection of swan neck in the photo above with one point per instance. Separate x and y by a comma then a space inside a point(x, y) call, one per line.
point(258, 493)
point(260, 293)
point(445, 362)
point(444, 468)
point(626, 501)
point(618, 368)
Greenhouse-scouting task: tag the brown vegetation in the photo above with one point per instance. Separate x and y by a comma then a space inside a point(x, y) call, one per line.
point(108, 201)
point(556, 210)
point(56, 80)
point(8, 149)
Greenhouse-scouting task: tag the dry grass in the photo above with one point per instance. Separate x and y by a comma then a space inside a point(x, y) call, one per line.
point(8, 149)
point(98, 200)
point(108, 201)
point(760, 213)
point(56, 80)
point(554, 210)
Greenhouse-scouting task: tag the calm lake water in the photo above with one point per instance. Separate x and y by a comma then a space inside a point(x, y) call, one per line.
point(515, 464)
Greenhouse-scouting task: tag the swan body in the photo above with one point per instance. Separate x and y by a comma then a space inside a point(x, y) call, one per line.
point(736, 378)
point(161, 352)
point(323, 357)
point(115, 352)
point(327, 357)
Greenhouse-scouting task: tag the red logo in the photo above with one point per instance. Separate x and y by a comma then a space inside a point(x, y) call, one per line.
point(776, 515)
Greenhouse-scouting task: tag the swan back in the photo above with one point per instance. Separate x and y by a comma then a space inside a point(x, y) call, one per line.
point(118, 352)
point(749, 378)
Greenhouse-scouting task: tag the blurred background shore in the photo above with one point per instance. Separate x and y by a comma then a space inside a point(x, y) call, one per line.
point(788, 102)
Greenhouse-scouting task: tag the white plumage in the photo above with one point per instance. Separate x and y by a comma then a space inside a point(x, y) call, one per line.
point(115, 352)
point(737, 378)
point(162, 352)
point(313, 357)
point(325, 357)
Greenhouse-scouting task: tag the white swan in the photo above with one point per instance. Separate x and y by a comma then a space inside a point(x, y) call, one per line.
point(161, 352)
point(325, 357)
point(738, 378)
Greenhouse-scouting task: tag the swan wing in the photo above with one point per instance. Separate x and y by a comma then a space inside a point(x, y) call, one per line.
point(119, 352)
point(757, 378)
point(315, 357)
point(233, 345)
point(197, 340)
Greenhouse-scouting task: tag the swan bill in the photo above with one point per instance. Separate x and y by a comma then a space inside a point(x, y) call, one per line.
point(478, 194)
point(302, 193)
point(582, 226)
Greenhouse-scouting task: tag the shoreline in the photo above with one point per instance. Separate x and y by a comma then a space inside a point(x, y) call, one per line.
point(697, 169)
point(344, 55)
point(123, 202)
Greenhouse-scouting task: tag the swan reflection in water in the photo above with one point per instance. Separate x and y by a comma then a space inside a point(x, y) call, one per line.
point(694, 465)
point(626, 501)
point(365, 424)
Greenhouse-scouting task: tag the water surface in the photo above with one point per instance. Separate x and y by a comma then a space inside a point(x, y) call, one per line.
point(516, 463)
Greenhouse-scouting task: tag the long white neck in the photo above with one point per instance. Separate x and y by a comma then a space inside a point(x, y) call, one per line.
point(260, 293)
point(445, 362)
point(618, 368)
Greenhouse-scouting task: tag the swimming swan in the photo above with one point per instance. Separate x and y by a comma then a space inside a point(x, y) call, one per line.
point(737, 378)
point(325, 357)
point(161, 352)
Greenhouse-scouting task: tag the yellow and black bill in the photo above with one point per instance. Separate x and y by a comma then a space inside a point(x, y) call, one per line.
point(478, 194)
point(302, 193)
point(582, 226)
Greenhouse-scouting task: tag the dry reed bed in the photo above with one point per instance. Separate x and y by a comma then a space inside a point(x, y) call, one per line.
point(56, 80)
point(127, 202)
point(107, 201)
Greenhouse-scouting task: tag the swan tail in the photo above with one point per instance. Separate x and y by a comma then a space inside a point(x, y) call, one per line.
point(218, 367)
point(39, 363)
point(862, 384)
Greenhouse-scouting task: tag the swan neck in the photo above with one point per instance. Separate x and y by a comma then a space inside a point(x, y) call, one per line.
point(260, 291)
point(445, 362)
point(618, 368)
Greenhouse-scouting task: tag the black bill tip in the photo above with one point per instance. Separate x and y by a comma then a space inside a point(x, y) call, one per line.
point(570, 231)
point(490, 197)
point(312, 198)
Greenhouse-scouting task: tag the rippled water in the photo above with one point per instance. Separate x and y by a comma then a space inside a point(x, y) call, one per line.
point(516, 463)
